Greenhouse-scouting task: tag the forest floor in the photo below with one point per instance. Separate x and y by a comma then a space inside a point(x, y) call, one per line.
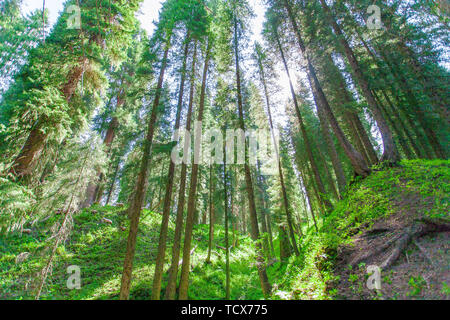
point(410, 245)
point(98, 248)
point(396, 219)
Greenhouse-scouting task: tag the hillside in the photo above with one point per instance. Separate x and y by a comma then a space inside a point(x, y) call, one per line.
point(400, 210)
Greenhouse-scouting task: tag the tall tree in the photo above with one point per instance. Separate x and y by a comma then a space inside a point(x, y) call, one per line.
point(259, 57)
point(238, 8)
point(159, 264)
point(390, 153)
point(185, 267)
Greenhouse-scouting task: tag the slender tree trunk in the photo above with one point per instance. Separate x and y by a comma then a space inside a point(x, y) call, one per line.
point(280, 168)
point(234, 209)
point(395, 126)
point(308, 198)
point(159, 264)
point(331, 182)
point(332, 152)
point(260, 184)
point(185, 267)
point(137, 200)
point(227, 242)
point(269, 229)
point(93, 187)
point(173, 270)
point(113, 181)
point(265, 285)
point(308, 147)
point(356, 159)
point(211, 215)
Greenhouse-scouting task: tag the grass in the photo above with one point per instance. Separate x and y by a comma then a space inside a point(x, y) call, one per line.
point(374, 198)
point(98, 248)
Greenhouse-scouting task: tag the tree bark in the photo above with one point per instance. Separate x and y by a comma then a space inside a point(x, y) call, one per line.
point(265, 285)
point(211, 215)
point(280, 168)
point(173, 270)
point(159, 264)
point(137, 200)
point(356, 159)
point(185, 267)
point(332, 152)
point(227, 242)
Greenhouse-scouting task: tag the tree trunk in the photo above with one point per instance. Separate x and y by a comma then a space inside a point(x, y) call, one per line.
point(356, 159)
point(265, 285)
point(269, 229)
point(211, 215)
point(286, 205)
point(159, 264)
point(137, 200)
point(332, 152)
point(173, 270)
point(227, 242)
point(306, 140)
point(186, 266)
point(113, 181)
point(395, 126)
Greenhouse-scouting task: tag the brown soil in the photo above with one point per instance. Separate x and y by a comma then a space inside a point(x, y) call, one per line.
point(411, 250)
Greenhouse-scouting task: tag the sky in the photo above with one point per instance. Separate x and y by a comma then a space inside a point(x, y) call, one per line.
point(149, 10)
point(149, 13)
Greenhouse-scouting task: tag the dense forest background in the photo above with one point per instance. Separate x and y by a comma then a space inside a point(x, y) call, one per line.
point(353, 98)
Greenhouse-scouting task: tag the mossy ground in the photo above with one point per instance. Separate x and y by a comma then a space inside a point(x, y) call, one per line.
point(385, 193)
point(98, 248)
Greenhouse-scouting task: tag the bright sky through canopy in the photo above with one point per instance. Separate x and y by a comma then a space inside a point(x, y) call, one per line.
point(149, 13)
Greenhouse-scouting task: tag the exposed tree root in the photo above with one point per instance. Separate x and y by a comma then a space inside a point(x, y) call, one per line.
point(377, 250)
point(375, 232)
point(412, 233)
point(398, 249)
point(400, 240)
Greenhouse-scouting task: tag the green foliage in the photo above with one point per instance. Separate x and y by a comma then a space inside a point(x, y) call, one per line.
point(98, 249)
point(416, 284)
point(367, 201)
point(375, 196)
point(16, 203)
